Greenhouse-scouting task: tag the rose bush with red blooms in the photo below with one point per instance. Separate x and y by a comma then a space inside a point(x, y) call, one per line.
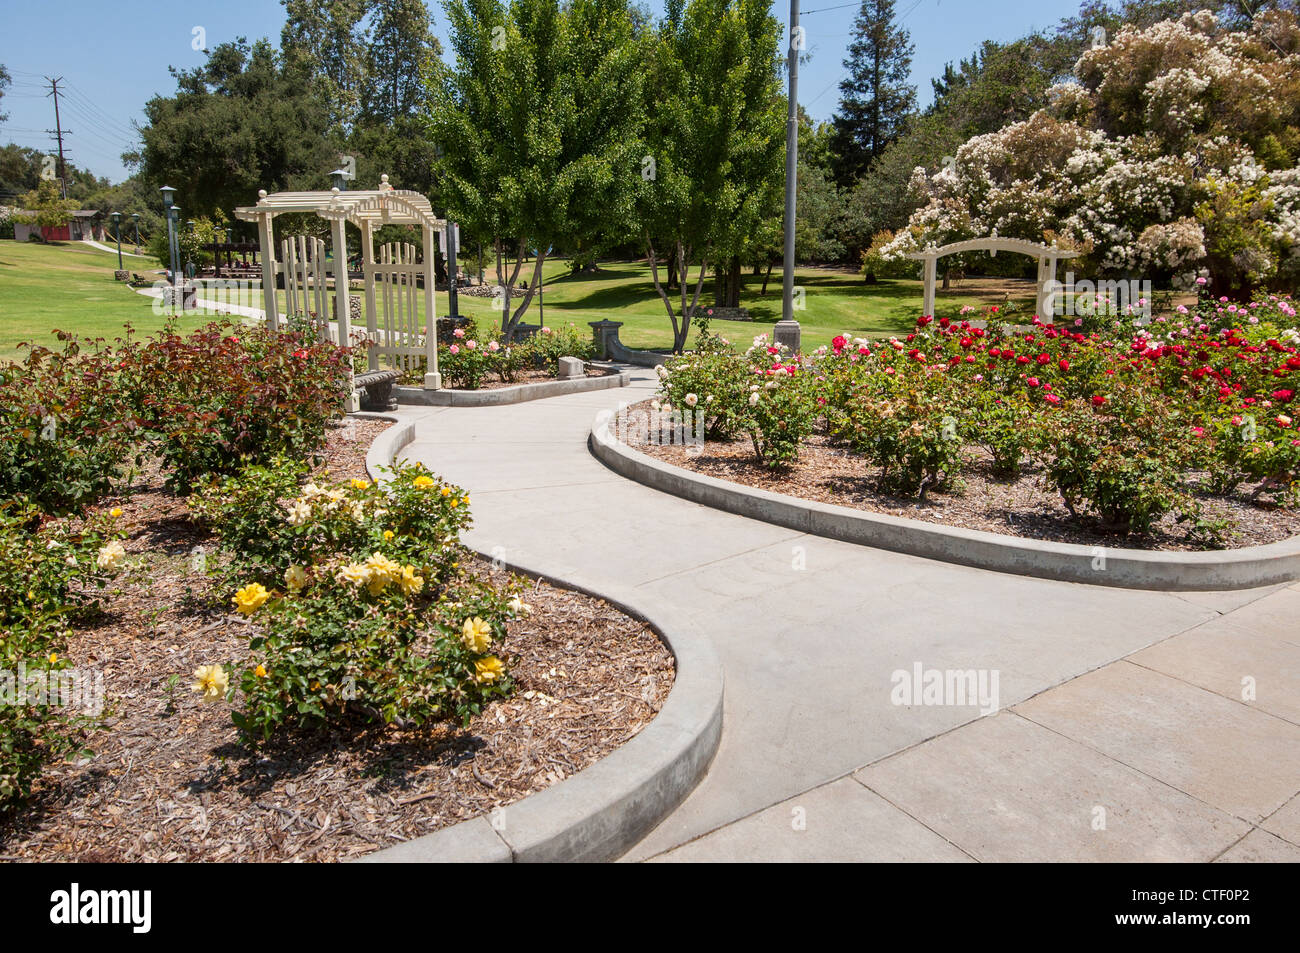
point(1127, 425)
point(227, 396)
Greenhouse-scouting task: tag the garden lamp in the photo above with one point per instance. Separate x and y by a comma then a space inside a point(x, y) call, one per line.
point(135, 217)
point(117, 233)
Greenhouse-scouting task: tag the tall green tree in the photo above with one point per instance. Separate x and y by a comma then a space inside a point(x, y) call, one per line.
point(400, 49)
point(876, 97)
point(715, 143)
point(241, 122)
point(327, 41)
point(539, 126)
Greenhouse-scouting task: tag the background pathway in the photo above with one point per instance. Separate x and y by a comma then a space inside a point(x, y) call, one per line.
point(1122, 736)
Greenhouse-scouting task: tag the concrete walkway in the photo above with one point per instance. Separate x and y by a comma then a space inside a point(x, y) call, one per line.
point(1122, 734)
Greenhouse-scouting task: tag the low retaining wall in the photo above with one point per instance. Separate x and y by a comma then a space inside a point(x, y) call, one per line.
point(1246, 568)
point(599, 813)
point(415, 396)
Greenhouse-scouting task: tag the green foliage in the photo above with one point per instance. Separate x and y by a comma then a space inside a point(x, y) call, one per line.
point(243, 121)
point(876, 97)
point(46, 207)
point(562, 150)
point(363, 611)
point(227, 395)
point(65, 430)
point(715, 133)
point(45, 570)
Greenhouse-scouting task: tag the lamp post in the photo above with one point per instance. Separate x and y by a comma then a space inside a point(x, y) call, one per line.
point(135, 217)
point(168, 194)
point(787, 330)
point(339, 179)
point(117, 233)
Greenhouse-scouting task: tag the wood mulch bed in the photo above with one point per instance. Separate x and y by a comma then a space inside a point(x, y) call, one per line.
point(1026, 507)
point(169, 780)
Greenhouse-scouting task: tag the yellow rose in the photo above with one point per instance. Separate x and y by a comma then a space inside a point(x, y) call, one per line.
point(110, 555)
point(445, 491)
point(382, 571)
point(211, 681)
point(488, 669)
point(354, 573)
point(476, 634)
point(251, 598)
point(360, 484)
point(409, 581)
point(54, 658)
point(388, 535)
point(115, 512)
point(295, 578)
point(260, 671)
point(423, 482)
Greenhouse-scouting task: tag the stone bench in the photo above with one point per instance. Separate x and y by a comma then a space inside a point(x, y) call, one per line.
point(376, 388)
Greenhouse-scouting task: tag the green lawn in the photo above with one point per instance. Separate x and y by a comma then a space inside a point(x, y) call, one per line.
point(70, 287)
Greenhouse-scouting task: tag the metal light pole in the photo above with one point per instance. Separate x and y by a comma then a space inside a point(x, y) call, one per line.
point(168, 194)
point(117, 232)
point(787, 330)
point(135, 217)
point(453, 241)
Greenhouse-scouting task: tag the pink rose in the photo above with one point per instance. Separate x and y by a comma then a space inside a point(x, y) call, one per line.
point(454, 349)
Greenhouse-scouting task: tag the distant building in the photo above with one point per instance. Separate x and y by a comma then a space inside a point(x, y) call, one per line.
point(82, 225)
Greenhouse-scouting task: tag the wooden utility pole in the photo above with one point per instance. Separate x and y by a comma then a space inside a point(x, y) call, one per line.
point(57, 132)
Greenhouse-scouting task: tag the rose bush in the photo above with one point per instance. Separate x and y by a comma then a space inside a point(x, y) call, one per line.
point(362, 608)
point(1126, 426)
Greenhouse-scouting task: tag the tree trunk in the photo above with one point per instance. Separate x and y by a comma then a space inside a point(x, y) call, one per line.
point(766, 277)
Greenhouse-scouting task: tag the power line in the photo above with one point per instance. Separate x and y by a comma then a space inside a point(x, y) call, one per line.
point(105, 118)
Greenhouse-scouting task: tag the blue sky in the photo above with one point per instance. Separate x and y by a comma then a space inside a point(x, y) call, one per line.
point(113, 56)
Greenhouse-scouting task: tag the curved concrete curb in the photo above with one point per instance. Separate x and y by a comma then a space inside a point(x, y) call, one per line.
point(1246, 568)
point(603, 810)
point(416, 396)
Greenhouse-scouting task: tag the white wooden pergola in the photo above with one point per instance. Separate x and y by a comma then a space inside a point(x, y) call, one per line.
point(389, 316)
point(1047, 255)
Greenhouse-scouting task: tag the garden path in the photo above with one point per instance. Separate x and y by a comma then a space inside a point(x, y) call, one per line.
point(1121, 734)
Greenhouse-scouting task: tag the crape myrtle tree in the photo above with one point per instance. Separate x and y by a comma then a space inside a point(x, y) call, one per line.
point(714, 140)
point(539, 124)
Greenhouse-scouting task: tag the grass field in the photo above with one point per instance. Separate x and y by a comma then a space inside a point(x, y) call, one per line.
point(70, 287)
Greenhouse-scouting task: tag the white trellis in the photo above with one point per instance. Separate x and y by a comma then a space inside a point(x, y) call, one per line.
point(306, 283)
point(1047, 255)
point(392, 291)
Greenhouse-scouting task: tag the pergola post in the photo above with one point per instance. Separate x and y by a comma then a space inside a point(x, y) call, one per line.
point(931, 273)
point(269, 303)
point(432, 378)
point(343, 300)
point(368, 272)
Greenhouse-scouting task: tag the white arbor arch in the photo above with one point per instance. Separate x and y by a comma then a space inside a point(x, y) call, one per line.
point(1047, 255)
point(389, 317)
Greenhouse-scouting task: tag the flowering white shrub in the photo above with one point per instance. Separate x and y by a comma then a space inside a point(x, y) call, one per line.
point(1129, 163)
